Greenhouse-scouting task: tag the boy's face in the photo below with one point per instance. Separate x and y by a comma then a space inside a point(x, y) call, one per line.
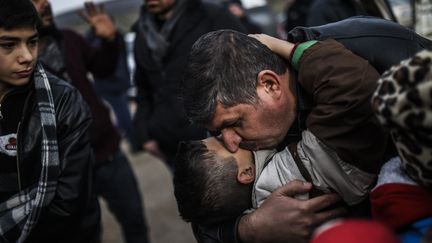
point(18, 55)
point(243, 157)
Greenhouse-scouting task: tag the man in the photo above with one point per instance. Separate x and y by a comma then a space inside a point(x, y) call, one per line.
point(66, 54)
point(255, 107)
point(166, 31)
point(46, 159)
point(357, 34)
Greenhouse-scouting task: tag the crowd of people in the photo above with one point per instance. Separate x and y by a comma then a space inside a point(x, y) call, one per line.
point(325, 136)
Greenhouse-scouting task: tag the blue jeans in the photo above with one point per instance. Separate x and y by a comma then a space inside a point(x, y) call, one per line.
point(116, 183)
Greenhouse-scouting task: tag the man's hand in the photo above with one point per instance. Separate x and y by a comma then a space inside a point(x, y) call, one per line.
point(282, 218)
point(99, 20)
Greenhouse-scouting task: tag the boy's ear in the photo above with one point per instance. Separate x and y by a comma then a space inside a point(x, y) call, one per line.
point(269, 82)
point(246, 175)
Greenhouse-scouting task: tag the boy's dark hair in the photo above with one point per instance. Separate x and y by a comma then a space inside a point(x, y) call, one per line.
point(18, 14)
point(206, 188)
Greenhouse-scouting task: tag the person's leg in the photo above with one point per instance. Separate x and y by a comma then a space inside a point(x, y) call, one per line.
point(116, 183)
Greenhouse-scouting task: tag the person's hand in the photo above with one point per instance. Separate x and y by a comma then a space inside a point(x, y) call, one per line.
point(282, 218)
point(152, 147)
point(99, 20)
point(278, 46)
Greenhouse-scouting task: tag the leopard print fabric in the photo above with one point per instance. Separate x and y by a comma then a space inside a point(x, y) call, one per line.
point(403, 103)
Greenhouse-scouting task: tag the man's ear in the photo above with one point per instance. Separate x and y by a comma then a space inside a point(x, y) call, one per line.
point(269, 82)
point(246, 175)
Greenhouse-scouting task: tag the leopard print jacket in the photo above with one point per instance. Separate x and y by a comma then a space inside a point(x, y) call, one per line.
point(403, 103)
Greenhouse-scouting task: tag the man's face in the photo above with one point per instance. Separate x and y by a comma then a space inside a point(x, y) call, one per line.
point(254, 127)
point(18, 55)
point(160, 7)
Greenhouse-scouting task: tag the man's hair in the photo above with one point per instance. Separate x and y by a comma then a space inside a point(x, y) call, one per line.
point(18, 14)
point(223, 66)
point(206, 187)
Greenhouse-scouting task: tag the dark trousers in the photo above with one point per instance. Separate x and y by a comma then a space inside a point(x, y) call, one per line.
point(116, 183)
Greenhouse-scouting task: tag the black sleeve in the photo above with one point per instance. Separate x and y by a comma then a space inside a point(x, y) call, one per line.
point(382, 42)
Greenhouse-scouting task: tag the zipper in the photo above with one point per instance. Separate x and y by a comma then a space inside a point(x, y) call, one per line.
point(26, 103)
point(17, 159)
point(2, 98)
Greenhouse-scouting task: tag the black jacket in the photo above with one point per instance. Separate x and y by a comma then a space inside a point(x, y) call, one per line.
point(73, 215)
point(160, 114)
point(381, 42)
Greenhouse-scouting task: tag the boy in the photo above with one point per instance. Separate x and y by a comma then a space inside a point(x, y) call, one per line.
point(46, 160)
point(212, 184)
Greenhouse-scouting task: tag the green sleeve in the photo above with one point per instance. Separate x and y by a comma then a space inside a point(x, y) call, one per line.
point(298, 52)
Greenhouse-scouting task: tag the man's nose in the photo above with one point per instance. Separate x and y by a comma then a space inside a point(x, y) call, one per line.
point(231, 140)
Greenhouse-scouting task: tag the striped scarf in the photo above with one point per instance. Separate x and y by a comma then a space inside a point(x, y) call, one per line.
point(21, 211)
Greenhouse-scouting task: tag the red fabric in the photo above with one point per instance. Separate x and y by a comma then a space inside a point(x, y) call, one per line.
point(398, 205)
point(355, 231)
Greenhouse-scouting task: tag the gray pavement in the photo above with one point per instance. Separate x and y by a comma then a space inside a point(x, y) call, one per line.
point(155, 182)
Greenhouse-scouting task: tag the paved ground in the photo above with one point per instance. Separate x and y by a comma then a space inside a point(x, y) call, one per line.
point(155, 182)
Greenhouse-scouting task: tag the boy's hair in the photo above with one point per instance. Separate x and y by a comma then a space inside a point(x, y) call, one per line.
point(18, 14)
point(206, 187)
